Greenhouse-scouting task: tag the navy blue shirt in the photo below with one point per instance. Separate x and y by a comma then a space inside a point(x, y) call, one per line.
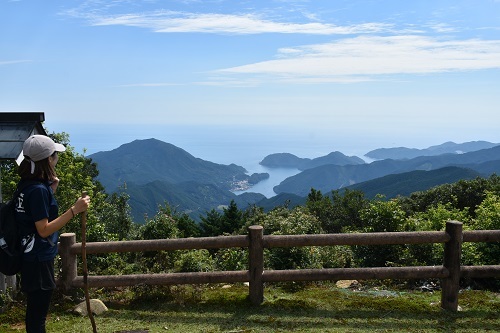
point(36, 202)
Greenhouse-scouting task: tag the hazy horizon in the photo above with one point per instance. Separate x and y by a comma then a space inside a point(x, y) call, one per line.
point(319, 76)
point(224, 147)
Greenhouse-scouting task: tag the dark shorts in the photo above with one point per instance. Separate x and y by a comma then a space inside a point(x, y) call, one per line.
point(37, 275)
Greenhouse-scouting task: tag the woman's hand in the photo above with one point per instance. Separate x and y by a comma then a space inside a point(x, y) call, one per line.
point(81, 205)
point(54, 184)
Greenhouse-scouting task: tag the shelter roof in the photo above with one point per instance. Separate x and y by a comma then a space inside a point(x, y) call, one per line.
point(15, 128)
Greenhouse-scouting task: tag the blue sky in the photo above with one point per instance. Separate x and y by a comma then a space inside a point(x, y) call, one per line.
point(350, 75)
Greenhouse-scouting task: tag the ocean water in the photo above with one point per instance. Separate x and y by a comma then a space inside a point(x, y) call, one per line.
point(243, 146)
point(276, 176)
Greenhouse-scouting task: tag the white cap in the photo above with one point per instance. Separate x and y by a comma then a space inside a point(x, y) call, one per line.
point(39, 147)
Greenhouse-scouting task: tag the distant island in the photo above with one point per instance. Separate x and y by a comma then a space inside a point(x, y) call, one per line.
point(445, 148)
point(287, 160)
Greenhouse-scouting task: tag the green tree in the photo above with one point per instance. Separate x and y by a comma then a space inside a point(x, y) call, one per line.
point(195, 261)
point(9, 179)
point(434, 219)
point(215, 224)
point(298, 221)
point(338, 213)
point(488, 218)
point(232, 218)
point(462, 194)
point(211, 224)
point(381, 216)
point(161, 226)
point(116, 216)
point(187, 226)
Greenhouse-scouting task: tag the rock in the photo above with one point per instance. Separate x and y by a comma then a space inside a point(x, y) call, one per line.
point(344, 284)
point(96, 306)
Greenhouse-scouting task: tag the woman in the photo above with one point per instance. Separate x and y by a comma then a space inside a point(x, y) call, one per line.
point(39, 221)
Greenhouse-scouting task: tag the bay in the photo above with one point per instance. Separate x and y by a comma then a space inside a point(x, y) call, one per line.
point(276, 176)
point(245, 146)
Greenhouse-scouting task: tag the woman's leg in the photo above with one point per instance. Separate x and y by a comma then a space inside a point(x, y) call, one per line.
point(37, 310)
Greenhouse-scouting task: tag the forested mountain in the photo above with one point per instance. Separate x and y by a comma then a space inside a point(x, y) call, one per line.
point(287, 160)
point(154, 173)
point(403, 184)
point(330, 177)
point(190, 197)
point(445, 148)
point(143, 161)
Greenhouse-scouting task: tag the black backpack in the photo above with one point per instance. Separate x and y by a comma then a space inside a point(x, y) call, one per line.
point(10, 241)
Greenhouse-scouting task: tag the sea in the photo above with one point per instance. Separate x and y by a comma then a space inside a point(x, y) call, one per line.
point(245, 146)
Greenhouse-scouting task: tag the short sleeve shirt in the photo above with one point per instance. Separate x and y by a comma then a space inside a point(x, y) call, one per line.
point(36, 202)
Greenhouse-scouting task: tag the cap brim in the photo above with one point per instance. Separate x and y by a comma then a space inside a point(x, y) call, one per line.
point(59, 147)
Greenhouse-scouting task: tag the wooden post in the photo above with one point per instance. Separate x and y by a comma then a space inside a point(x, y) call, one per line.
point(452, 255)
point(256, 264)
point(3, 285)
point(68, 260)
point(11, 281)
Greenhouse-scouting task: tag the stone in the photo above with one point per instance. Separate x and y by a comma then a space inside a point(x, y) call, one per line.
point(344, 284)
point(96, 306)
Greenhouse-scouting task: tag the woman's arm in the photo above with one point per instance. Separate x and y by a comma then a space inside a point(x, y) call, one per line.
point(46, 228)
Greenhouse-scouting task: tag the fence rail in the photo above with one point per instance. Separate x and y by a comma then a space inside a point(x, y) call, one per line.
point(450, 272)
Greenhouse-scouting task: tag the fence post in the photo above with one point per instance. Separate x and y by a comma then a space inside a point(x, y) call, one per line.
point(8, 283)
point(68, 260)
point(11, 281)
point(256, 264)
point(3, 286)
point(452, 254)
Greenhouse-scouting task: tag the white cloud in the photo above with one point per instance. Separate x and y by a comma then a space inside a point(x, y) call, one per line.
point(369, 56)
point(442, 28)
point(149, 85)
point(176, 22)
point(12, 62)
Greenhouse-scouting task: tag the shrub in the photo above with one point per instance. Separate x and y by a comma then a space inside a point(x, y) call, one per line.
point(161, 226)
point(488, 218)
point(381, 216)
point(231, 259)
point(195, 261)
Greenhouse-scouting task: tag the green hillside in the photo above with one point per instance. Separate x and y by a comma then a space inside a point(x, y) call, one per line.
point(154, 173)
point(144, 161)
point(330, 177)
point(192, 198)
point(404, 184)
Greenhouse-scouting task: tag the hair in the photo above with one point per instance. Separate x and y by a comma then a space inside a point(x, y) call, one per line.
point(43, 170)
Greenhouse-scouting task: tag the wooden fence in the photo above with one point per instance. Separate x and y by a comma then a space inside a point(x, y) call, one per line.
point(450, 272)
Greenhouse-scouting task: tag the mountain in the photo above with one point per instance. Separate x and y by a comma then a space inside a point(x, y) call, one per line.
point(190, 197)
point(282, 199)
point(403, 184)
point(144, 161)
point(283, 160)
point(391, 186)
point(445, 148)
point(330, 177)
point(287, 160)
point(154, 173)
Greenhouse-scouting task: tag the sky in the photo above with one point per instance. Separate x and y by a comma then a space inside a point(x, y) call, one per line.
point(298, 76)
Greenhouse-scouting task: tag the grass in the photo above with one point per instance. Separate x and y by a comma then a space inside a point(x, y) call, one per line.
point(320, 308)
